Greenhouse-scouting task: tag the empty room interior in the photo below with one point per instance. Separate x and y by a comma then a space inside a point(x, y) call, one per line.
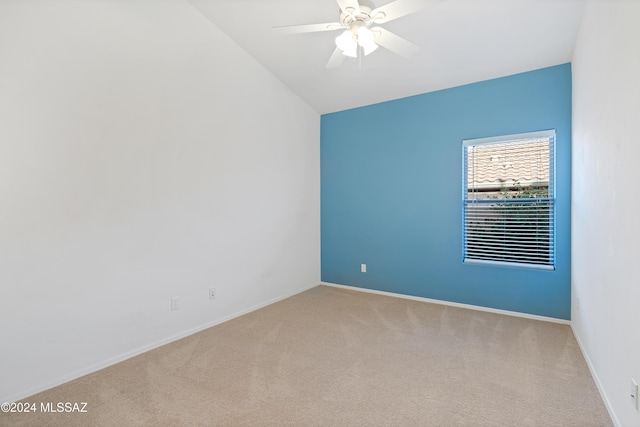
point(319, 212)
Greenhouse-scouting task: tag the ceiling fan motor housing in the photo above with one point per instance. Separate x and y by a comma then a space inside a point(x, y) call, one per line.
point(352, 20)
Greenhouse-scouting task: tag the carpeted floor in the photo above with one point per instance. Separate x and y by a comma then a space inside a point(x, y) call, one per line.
point(334, 357)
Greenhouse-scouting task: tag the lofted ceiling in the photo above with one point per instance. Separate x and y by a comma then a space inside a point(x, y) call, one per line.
point(461, 42)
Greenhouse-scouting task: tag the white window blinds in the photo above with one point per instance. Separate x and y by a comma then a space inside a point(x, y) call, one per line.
point(508, 200)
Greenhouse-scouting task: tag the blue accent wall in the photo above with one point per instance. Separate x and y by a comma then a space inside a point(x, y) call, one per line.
point(391, 196)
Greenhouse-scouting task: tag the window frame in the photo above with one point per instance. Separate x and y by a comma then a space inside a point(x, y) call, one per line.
point(551, 134)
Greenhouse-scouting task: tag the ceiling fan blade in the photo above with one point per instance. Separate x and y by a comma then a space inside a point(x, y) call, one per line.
point(310, 28)
point(399, 8)
point(336, 59)
point(394, 43)
point(347, 6)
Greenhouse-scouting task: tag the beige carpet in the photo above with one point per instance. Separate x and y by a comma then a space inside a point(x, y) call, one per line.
point(333, 357)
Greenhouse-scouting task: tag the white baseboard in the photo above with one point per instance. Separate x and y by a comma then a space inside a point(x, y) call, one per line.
point(453, 304)
point(596, 379)
point(122, 357)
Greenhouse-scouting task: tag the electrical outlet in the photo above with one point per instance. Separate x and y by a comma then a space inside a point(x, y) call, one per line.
point(174, 303)
point(363, 268)
point(212, 293)
point(634, 393)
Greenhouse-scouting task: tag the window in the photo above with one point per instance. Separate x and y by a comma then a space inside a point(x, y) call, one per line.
point(508, 200)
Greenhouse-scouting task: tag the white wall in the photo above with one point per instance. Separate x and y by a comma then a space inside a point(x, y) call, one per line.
point(143, 156)
point(606, 199)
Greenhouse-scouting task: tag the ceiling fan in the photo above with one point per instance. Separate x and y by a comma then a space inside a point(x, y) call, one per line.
point(360, 36)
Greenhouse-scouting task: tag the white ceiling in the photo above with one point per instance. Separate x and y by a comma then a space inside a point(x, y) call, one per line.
point(461, 41)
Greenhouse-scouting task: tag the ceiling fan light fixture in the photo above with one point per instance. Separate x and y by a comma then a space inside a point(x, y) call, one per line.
point(347, 43)
point(352, 52)
point(365, 39)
